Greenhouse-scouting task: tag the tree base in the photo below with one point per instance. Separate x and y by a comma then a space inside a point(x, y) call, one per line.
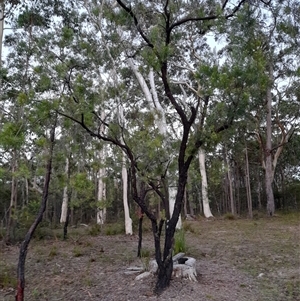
point(164, 276)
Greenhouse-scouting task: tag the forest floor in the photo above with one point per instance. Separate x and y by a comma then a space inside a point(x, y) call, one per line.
point(237, 260)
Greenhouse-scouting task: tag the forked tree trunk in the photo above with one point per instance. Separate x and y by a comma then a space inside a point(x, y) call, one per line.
point(160, 121)
point(28, 236)
point(164, 275)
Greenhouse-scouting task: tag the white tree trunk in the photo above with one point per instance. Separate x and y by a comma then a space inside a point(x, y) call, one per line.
point(160, 120)
point(205, 200)
point(161, 123)
point(172, 197)
point(101, 195)
point(248, 186)
point(64, 206)
point(128, 220)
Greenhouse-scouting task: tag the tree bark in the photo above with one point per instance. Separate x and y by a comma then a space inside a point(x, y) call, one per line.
point(64, 206)
point(248, 186)
point(24, 245)
point(231, 198)
point(160, 121)
point(101, 210)
point(101, 196)
point(164, 275)
point(128, 220)
point(268, 149)
point(205, 200)
point(141, 217)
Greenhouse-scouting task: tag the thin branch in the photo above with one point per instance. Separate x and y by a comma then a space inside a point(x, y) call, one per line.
point(224, 4)
point(207, 18)
point(136, 22)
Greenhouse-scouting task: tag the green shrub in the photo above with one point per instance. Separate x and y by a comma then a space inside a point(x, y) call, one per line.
point(41, 233)
point(94, 230)
point(53, 252)
point(77, 252)
point(145, 259)
point(180, 243)
point(114, 229)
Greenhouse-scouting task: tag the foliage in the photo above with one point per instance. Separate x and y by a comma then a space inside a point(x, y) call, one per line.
point(179, 242)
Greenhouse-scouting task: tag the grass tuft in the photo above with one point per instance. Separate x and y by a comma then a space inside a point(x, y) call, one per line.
point(229, 216)
point(180, 242)
point(8, 277)
point(77, 252)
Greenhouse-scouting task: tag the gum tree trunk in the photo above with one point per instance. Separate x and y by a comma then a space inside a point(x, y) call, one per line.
point(128, 220)
point(205, 201)
point(64, 205)
point(268, 151)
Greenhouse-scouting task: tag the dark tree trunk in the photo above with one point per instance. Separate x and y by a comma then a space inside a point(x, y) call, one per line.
point(164, 275)
point(65, 236)
point(24, 245)
point(141, 217)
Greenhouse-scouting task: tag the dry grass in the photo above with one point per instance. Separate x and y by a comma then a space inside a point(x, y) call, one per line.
point(267, 249)
point(251, 260)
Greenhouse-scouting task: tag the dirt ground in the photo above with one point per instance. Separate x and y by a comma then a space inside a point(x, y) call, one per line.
point(237, 260)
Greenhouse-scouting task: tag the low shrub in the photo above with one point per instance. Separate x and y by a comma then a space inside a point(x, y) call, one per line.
point(180, 243)
point(114, 229)
point(229, 216)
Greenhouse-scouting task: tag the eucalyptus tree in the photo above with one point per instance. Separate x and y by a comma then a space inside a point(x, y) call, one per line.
point(81, 59)
point(152, 33)
point(266, 41)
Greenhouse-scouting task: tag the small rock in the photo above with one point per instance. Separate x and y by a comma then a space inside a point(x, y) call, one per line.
point(142, 276)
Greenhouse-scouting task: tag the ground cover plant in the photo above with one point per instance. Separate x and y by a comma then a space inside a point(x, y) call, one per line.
point(237, 259)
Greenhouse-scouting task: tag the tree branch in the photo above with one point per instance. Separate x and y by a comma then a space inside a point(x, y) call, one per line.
point(136, 22)
point(207, 18)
